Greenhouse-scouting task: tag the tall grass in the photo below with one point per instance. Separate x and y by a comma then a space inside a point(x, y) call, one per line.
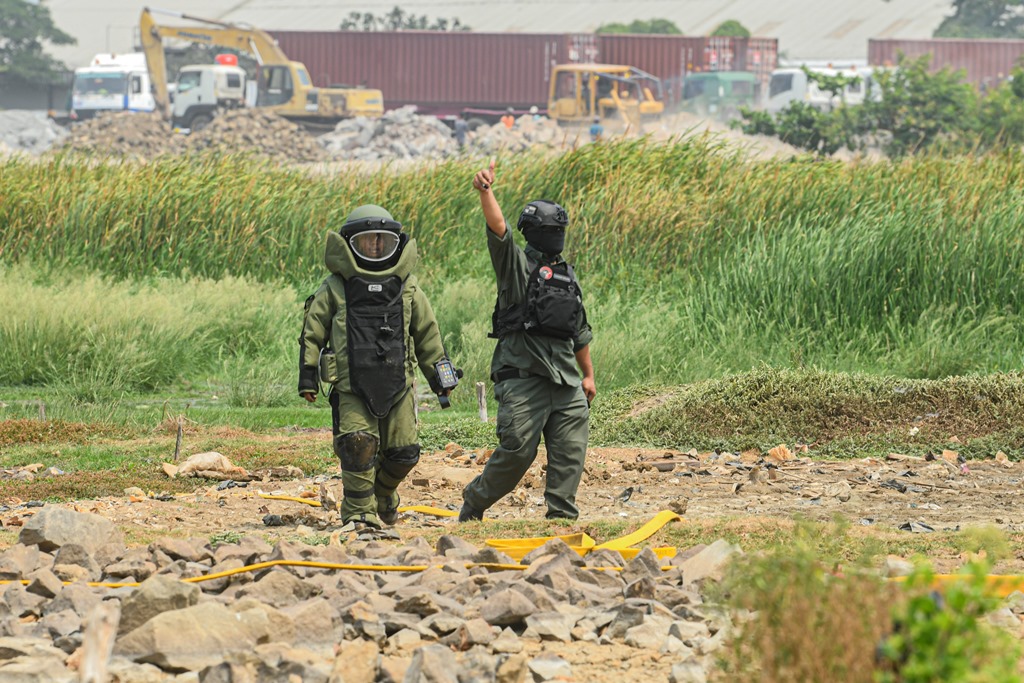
point(97, 339)
point(694, 261)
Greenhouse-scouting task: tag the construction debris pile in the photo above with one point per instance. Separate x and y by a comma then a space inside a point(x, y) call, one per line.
point(129, 135)
point(527, 133)
point(399, 134)
point(404, 134)
point(27, 131)
point(447, 623)
point(146, 135)
point(258, 132)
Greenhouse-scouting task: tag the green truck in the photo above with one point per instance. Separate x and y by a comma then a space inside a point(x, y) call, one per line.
point(719, 94)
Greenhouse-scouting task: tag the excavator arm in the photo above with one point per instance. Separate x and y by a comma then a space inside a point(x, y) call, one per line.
point(246, 39)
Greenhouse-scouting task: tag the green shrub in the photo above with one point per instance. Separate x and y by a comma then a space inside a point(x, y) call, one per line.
point(943, 637)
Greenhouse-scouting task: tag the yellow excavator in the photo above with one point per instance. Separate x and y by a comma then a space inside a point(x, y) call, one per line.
point(284, 86)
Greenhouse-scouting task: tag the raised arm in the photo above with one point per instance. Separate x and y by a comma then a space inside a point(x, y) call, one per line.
point(483, 182)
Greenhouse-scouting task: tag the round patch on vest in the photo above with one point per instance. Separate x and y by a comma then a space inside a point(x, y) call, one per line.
point(546, 272)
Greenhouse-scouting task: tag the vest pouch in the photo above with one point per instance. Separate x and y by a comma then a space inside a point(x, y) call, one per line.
point(329, 367)
point(375, 329)
point(556, 312)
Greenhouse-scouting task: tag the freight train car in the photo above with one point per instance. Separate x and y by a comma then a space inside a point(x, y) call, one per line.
point(446, 73)
point(986, 62)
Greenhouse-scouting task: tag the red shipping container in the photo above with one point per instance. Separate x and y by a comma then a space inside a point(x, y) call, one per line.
point(446, 72)
point(986, 62)
point(440, 72)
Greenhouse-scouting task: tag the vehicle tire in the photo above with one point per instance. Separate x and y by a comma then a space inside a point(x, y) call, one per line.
point(475, 123)
point(200, 121)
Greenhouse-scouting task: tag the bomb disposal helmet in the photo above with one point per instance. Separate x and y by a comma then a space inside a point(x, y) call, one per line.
point(373, 235)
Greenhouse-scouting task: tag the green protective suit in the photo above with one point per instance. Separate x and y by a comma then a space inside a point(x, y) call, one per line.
point(376, 453)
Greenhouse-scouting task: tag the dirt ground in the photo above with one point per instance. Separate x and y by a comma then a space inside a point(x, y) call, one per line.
point(626, 484)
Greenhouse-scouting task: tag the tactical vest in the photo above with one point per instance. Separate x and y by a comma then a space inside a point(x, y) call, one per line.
point(552, 307)
point(375, 330)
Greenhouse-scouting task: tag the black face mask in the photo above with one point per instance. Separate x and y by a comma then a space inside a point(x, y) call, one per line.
point(546, 240)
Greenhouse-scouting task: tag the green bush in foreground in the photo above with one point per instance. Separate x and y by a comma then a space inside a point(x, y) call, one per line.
point(941, 636)
point(812, 618)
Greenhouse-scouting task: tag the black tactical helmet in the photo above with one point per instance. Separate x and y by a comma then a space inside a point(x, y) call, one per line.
point(374, 236)
point(543, 213)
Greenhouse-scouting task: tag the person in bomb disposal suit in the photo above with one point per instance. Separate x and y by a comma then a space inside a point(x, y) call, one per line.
point(364, 332)
point(543, 335)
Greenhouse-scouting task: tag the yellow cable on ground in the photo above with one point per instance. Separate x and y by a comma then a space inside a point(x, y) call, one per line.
point(1000, 585)
point(517, 548)
point(423, 509)
point(643, 533)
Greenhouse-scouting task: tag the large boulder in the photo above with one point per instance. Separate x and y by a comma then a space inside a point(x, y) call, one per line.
point(53, 527)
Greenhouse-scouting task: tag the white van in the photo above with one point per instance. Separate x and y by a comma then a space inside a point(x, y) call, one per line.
point(111, 82)
point(789, 84)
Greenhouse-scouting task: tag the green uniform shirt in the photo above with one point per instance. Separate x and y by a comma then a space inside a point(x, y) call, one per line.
point(554, 359)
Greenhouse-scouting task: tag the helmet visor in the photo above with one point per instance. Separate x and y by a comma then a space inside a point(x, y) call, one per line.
point(374, 245)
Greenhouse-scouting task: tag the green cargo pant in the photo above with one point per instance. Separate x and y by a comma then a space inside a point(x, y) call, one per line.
point(389, 452)
point(527, 408)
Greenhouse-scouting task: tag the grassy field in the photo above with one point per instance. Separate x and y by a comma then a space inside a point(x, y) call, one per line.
point(116, 279)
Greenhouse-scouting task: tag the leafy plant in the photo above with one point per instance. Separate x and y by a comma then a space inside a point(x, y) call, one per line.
point(941, 636)
point(224, 538)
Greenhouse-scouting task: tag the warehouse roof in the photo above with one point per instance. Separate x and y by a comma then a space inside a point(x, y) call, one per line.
point(806, 29)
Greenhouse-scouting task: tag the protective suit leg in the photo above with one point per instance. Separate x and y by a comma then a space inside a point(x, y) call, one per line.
point(393, 466)
point(356, 447)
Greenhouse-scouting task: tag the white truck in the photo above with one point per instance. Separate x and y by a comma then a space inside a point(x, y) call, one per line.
point(204, 89)
point(111, 82)
point(792, 84)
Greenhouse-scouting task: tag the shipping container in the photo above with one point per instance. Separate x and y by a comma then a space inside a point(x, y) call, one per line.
point(986, 62)
point(438, 72)
point(446, 72)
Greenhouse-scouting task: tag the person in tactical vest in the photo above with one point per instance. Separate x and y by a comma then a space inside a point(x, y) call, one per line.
point(365, 330)
point(543, 335)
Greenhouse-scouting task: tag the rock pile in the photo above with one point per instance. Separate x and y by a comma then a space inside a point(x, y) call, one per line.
point(447, 623)
point(27, 131)
point(146, 135)
point(129, 135)
point(399, 134)
point(258, 132)
point(527, 133)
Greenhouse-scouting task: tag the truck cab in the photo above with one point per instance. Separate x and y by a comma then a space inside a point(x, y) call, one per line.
point(719, 94)
point(111, 82)
point(202, 90)
point(793, 85)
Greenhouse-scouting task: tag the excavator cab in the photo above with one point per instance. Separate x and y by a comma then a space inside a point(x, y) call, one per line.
point(276, 86)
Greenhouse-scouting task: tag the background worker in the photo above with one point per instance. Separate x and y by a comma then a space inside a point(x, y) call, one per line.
point(543, 335)
point(364, 332)
point(460, 130)
point(596, 129)
point(509, 118)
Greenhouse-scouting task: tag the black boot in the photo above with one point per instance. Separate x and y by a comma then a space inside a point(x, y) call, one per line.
point(469, 513)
